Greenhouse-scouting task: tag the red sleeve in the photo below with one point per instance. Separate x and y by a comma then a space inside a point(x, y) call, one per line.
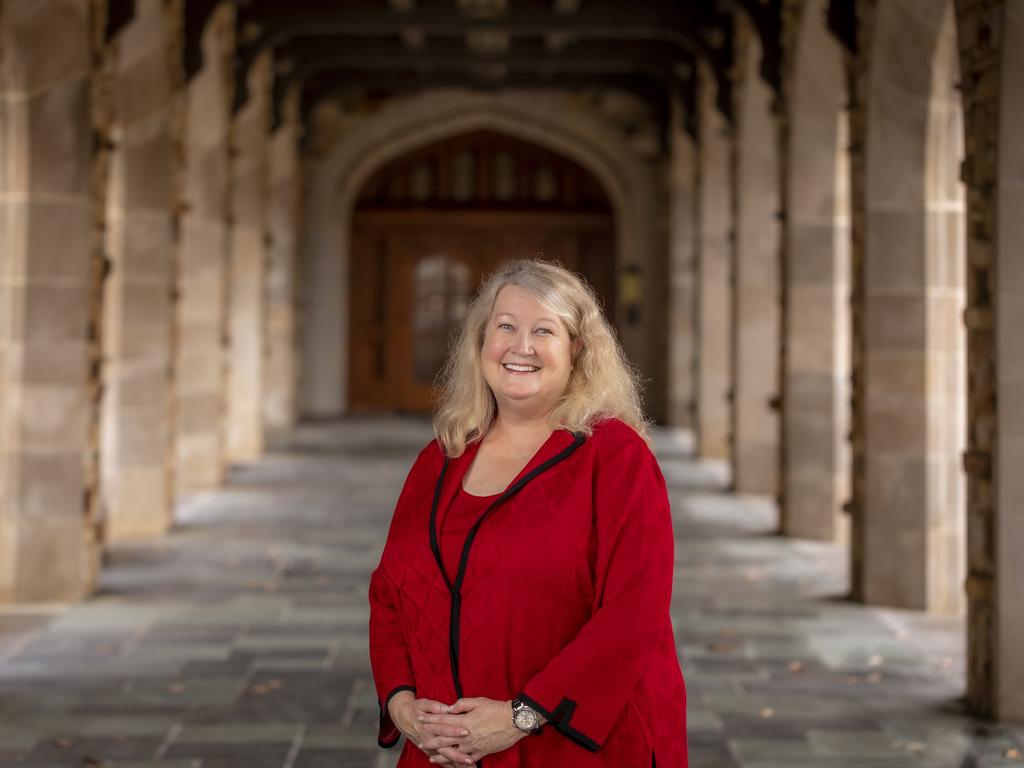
point(389, 652)
point(583, 689)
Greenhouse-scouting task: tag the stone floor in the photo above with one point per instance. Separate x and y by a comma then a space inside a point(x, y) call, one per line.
point(240, 639)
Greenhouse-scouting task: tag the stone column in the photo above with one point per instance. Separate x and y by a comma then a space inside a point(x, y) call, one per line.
point(48, 542)
point(137, 326)
point(682, 365)
point(280, 402)
point(912, 292)
point(755, 295)
point(991, 40)
point(200, 359)
point(1009, 522)
point(247, 274)
point(816, 243)
point(715, 316)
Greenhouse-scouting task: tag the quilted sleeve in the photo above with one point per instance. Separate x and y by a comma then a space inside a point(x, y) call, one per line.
point(584, 688)
point(389, 654)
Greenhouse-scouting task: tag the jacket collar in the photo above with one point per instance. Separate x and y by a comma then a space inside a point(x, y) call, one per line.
point(459, 466)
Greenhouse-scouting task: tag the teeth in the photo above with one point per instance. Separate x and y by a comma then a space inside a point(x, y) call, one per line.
point(520, 368)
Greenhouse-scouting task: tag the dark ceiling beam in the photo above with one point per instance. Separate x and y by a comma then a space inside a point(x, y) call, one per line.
point(314, 55)
point(274, 22)
point(689, 27)
point(373, 87)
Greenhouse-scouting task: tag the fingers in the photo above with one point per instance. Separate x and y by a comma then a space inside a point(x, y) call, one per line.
point(449, 720)
point(436, 742)
point(432, 707)
point(464, 705)
point(456, 756)
point(443, 730)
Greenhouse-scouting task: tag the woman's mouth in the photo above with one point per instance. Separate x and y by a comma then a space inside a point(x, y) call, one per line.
point(515, 368)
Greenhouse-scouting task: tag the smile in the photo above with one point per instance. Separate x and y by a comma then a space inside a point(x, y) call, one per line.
point(512, 367)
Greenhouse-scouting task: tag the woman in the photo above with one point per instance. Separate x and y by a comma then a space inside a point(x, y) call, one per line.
point(520, 612)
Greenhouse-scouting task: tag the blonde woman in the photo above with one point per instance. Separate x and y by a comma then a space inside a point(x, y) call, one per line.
point(520, 611)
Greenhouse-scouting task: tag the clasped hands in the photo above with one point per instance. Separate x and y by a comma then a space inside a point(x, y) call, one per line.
point(457, 734)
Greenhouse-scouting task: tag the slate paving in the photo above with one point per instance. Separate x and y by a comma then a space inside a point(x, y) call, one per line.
point(239, 641)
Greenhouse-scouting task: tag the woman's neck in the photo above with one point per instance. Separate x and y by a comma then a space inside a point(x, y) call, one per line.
point(521, 427)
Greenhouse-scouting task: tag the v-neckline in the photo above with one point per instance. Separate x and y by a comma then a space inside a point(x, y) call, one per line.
point(471, 460)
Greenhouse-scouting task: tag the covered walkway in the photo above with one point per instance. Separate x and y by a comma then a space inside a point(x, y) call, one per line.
point(239, 639)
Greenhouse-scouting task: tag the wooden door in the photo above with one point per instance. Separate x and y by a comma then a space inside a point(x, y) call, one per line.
point(430, 226)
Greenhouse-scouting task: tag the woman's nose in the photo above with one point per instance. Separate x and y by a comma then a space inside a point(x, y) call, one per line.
point(523, 344)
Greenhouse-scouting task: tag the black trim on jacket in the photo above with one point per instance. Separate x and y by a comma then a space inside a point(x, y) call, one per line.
point(454, 588)
point(559, 717)
point(384, 714)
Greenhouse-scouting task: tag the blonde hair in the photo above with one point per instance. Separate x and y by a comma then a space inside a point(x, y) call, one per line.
point(602, 382)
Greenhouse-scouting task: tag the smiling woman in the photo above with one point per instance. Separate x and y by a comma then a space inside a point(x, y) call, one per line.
point(531, 551)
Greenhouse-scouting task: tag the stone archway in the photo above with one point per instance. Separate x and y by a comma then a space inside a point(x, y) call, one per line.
point(815, 412)
point(547, 119)
point(913, 291)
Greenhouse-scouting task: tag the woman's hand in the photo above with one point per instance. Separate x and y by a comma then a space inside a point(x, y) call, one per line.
point(406, 712)
point(489, 723)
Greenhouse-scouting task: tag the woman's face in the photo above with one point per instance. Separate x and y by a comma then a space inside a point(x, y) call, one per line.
point(527, 353)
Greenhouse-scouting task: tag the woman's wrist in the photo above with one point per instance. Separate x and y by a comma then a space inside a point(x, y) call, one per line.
point(397, 700)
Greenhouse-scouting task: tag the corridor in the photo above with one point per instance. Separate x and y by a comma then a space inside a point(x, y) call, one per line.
point(239, 639)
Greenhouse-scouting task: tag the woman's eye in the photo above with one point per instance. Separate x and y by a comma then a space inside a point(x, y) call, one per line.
point(504, 325)
point(544, 330)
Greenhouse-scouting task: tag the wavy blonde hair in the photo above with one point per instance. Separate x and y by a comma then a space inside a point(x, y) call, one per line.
point(602, 382)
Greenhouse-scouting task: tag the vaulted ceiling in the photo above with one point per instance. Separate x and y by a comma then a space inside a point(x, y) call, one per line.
point(381, 48)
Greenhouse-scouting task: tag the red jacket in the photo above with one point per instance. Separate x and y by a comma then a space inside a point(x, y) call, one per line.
point(563, 598)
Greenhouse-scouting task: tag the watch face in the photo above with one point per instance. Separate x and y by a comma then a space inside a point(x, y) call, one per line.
point(526, 719)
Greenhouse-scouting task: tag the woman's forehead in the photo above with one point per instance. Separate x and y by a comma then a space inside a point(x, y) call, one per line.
point(514, 300)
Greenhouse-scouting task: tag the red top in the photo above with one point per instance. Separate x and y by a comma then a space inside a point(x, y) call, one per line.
point(465, 510)
point(563, 600)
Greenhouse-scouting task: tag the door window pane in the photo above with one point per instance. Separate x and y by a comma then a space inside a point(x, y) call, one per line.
point(442, 294)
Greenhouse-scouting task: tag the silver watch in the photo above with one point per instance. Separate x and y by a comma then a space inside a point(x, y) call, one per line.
point(524, 717)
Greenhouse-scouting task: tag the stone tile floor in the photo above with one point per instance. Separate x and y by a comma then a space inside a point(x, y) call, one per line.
point(239, 640)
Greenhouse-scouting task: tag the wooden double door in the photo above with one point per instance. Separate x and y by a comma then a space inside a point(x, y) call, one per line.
point(413, 276)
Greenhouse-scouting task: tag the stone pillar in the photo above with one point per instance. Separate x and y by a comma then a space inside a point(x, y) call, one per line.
point(200, 359)
point(682, 273)
point(816, 243)
point(912, 292)
point(991, 39)
point(137, 328)
point(247, 274)
point(715, 317)
point(280, 402)
point(48, 542)
point(755, 295)
point(1009, 522)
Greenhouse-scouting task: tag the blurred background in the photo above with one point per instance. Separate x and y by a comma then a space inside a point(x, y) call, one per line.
point(236, 236)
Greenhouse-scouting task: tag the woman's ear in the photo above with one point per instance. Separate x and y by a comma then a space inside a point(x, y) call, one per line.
point(574, 348)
